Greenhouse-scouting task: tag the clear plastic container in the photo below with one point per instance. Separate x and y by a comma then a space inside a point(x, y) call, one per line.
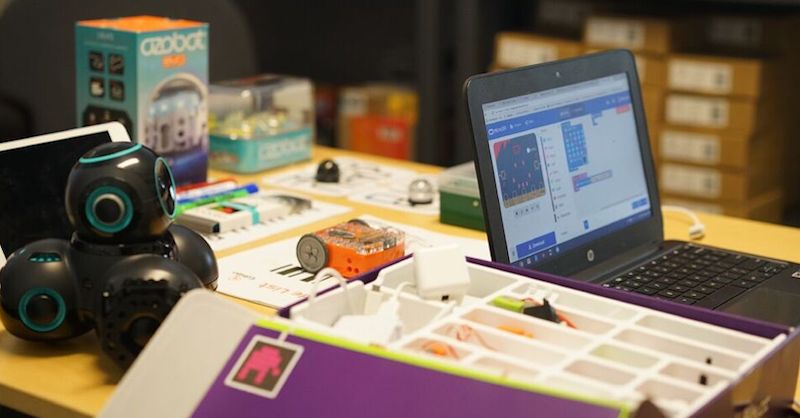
point(260, 122)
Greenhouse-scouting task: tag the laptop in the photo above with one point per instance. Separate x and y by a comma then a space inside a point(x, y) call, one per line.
point(568, 187)
point(33, 178)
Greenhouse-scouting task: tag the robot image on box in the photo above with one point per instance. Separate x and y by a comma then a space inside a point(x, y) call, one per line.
point(125, 266)
point(176, 125)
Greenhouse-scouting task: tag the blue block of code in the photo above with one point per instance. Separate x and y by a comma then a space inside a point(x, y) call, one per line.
point(575, 144)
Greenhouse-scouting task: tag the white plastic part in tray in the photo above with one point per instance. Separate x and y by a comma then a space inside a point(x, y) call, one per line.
point(616, 350)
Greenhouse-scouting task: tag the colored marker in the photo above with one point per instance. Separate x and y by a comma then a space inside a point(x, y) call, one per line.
point(250, 188)
point(185, 187)
point(222, 197)
point(207, 190)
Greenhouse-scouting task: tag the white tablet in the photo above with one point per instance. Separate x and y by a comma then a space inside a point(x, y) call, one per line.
point(33, 177)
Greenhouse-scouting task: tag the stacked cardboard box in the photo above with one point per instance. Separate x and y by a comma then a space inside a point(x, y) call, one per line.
point(724, 143)
point(558, 26)
point(718, 123)
point(517, 49)
point(566, 17)
point(650, 39)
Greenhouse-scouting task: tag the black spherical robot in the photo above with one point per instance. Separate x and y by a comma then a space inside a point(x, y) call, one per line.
point(125, 266)
point(327, 172)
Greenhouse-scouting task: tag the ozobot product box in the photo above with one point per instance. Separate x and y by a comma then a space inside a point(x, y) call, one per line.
point(151, 74)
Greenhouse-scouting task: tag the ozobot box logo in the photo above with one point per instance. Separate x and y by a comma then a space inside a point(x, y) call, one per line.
point(175, 43)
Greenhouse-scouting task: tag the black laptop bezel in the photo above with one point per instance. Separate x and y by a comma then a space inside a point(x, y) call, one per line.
point(491, 87)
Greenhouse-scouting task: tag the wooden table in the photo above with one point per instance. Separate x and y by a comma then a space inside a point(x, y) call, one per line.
point(72, 379)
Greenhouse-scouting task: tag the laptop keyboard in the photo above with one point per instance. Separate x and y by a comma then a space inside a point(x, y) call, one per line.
point(697, 276)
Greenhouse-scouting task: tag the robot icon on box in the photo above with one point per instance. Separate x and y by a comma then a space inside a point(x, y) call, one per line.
point(176, 124)
point(94, 115)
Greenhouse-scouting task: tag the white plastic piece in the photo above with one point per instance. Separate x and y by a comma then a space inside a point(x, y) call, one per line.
point(441, 273)
point(319, 277)
point(372, 302)
point(381, 328)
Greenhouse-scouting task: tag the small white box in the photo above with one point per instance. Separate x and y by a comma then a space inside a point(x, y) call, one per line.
point(441, 273)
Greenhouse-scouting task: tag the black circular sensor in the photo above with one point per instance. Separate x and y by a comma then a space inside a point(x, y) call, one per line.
point(142, 329)
point(42, 310)
point(165, 186)
point(109, 208)
point(327, 172)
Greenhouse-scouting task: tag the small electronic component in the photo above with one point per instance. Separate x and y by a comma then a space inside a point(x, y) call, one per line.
point(420, 192)
point(508, 303)
point(529, 306)
point(234, 214)
point(352, 247)
point(544, 311)
point(327, 172)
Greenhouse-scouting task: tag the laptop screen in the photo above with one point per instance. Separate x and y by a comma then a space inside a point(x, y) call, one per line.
point(567, 166)
point(32, 184)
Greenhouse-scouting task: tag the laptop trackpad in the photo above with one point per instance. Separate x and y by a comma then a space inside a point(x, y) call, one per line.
point(768, 304)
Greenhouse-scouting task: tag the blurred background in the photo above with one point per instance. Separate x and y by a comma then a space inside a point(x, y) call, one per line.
point(388, 75)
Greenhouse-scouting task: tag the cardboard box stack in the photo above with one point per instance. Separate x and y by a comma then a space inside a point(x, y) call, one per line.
point(558, 25)
point(517, 49)
point(650, 39)
point(557, 30)
point(723, 145)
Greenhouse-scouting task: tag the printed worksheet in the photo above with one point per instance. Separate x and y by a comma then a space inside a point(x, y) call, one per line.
point(364, 182)
point(396, 196)
point(355, 176)
point(270, 275)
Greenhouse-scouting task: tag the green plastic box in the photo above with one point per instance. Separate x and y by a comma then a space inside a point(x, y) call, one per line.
point(459, 197)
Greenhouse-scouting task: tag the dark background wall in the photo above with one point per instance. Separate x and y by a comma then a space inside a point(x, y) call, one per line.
point(431, 45)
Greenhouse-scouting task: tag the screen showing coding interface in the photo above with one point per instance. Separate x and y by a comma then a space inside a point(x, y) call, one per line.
point(567, 166)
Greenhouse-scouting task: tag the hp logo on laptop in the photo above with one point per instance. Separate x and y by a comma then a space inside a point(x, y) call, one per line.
point(590, 255)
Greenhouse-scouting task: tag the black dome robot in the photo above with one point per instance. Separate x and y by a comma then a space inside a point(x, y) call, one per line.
point(125, 266)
